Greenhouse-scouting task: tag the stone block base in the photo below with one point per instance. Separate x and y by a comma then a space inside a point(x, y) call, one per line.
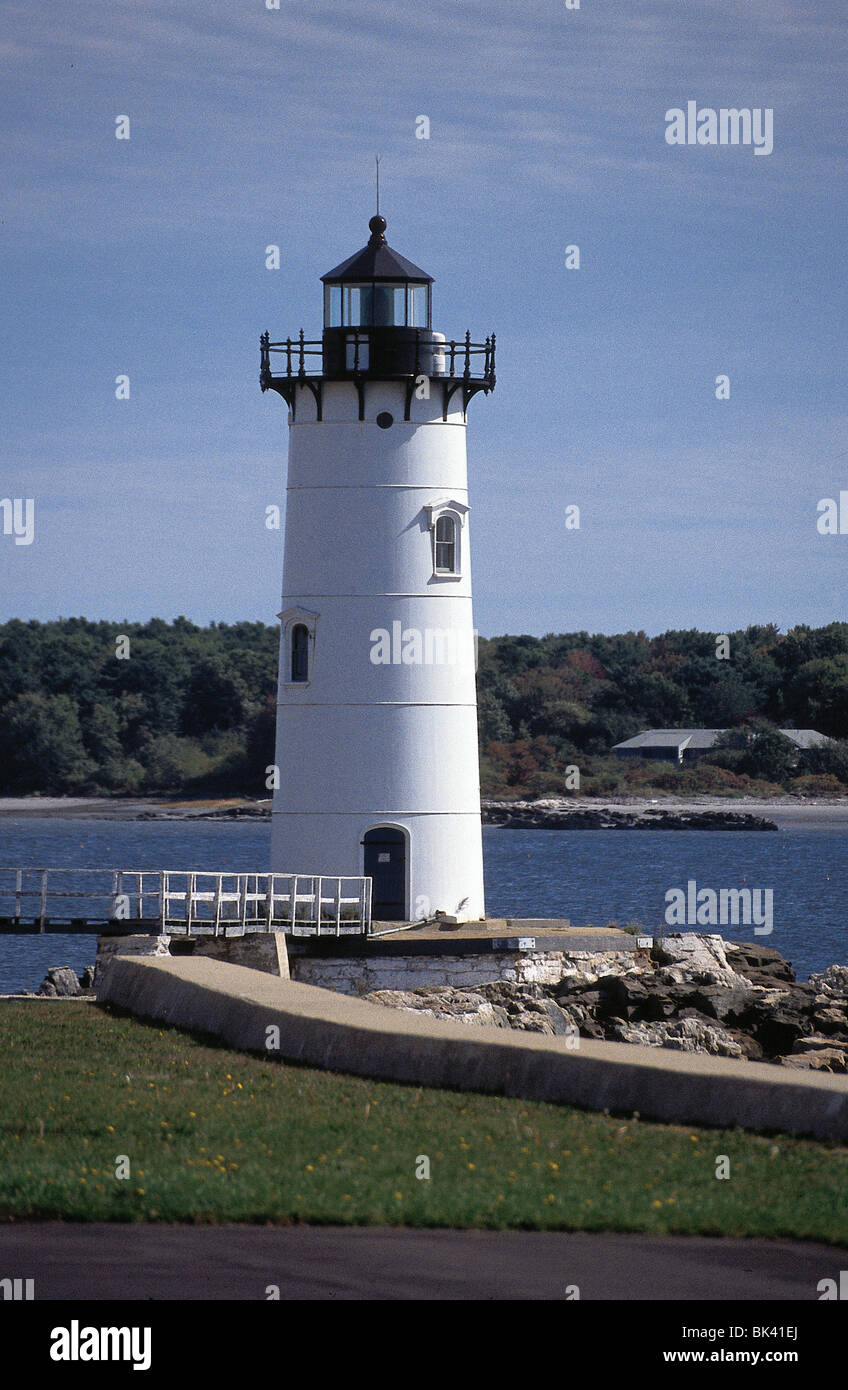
point(264, 951)
point(141, 945)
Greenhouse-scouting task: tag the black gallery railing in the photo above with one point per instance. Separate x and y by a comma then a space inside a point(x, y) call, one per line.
point(303, 358)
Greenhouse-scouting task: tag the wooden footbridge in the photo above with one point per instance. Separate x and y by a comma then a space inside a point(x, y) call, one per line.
point(186, 902)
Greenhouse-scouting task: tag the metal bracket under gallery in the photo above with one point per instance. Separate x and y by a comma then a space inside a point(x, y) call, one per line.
point(181, 902)
point(464, 367)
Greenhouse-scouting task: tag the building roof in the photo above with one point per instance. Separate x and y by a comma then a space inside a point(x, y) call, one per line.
point(672, 738)
point(377, 261)
point(805, 738)
point(703, 738)
point(706, 738)
point(658, 738)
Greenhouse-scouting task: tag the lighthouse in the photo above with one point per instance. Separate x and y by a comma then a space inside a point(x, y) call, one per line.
point(376, 751)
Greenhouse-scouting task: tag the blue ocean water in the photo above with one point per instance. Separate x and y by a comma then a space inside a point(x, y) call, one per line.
point(587, 876)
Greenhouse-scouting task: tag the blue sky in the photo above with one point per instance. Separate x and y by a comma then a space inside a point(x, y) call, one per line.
point(252, 126)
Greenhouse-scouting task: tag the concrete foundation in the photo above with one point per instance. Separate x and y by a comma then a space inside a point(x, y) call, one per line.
point(357, 975)
point(264, 951)
point(140, 945)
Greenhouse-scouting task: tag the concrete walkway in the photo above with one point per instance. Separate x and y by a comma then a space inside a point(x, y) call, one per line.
point(72, 1262)
point(262, 1013)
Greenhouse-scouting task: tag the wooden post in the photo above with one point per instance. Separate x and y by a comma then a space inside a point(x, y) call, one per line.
point(219, 878)
point(43, 913)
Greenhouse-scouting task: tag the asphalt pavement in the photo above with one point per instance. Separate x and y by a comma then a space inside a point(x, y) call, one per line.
point(125, 1262)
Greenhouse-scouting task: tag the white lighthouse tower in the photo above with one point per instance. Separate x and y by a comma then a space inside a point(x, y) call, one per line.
point(377, 711)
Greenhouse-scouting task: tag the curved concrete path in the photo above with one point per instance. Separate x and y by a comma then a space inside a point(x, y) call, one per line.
point(170, 1263)
point(301, 1023)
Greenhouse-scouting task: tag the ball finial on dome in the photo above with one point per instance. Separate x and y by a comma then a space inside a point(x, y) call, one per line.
point(377, 227)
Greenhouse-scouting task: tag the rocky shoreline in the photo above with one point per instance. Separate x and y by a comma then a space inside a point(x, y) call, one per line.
point(688, 992)
point(528, 815)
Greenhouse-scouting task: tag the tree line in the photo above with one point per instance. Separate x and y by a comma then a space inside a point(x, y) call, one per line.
point(156, 708)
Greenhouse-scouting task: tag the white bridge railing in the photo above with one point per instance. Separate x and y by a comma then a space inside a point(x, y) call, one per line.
point(187, 901)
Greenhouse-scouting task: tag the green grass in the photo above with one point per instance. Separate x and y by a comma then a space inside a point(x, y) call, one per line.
point(217, 1135)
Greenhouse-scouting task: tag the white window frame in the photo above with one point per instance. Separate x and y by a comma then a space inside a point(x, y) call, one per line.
point(457, 511)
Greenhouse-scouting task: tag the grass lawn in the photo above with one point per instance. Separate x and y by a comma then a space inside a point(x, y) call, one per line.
point(211, 1134)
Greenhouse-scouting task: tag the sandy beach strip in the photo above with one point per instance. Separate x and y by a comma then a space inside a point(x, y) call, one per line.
point(786, 812)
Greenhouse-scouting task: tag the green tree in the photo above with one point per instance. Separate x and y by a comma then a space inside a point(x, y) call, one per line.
point(818, 695)
point(215, 698)
point(41, 745)
point(770, 756)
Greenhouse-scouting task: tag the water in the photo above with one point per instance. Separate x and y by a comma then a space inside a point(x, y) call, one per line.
point(97, 844)
point(588, 876)
point(600, 876)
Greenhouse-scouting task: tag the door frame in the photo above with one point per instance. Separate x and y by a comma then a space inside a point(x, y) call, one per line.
point(404, 829)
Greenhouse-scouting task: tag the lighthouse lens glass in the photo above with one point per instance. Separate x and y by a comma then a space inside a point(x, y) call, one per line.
point(352, 305)
point(384, 305)
point(332, 306)
point(418, 306)
point(381, 306)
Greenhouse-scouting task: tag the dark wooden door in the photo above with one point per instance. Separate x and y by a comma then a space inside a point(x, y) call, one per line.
point(385, 865)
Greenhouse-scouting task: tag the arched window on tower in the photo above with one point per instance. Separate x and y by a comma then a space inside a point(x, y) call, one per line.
point(445, 545)
point(300, 652)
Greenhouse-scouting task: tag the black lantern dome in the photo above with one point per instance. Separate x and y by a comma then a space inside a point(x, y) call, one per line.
point(377, 311)
point(377, 287)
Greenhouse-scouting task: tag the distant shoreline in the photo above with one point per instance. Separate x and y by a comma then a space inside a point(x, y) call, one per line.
point(784, 811)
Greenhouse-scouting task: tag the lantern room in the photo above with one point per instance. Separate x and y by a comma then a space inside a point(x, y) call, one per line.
point(377, 288)
point(377, 327)
point(377, 312)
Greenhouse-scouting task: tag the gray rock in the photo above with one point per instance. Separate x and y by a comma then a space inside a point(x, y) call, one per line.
point(725, 1005)
point(833, 982)
point(697, 994)
point(443, 1001)
point(590, 1028)
point(561, 1023)
point(697, 958)
point(528, 1022)
point(829, 1059)
point(759, 964)
point(60, 982)
point(625, 995)
point(830, 1020)
point(684, 1035)
point(751, 1049)
point(816, 1043)
point(777, 1030)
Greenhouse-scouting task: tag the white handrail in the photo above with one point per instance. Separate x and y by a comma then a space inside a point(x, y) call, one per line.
point(189, 900)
